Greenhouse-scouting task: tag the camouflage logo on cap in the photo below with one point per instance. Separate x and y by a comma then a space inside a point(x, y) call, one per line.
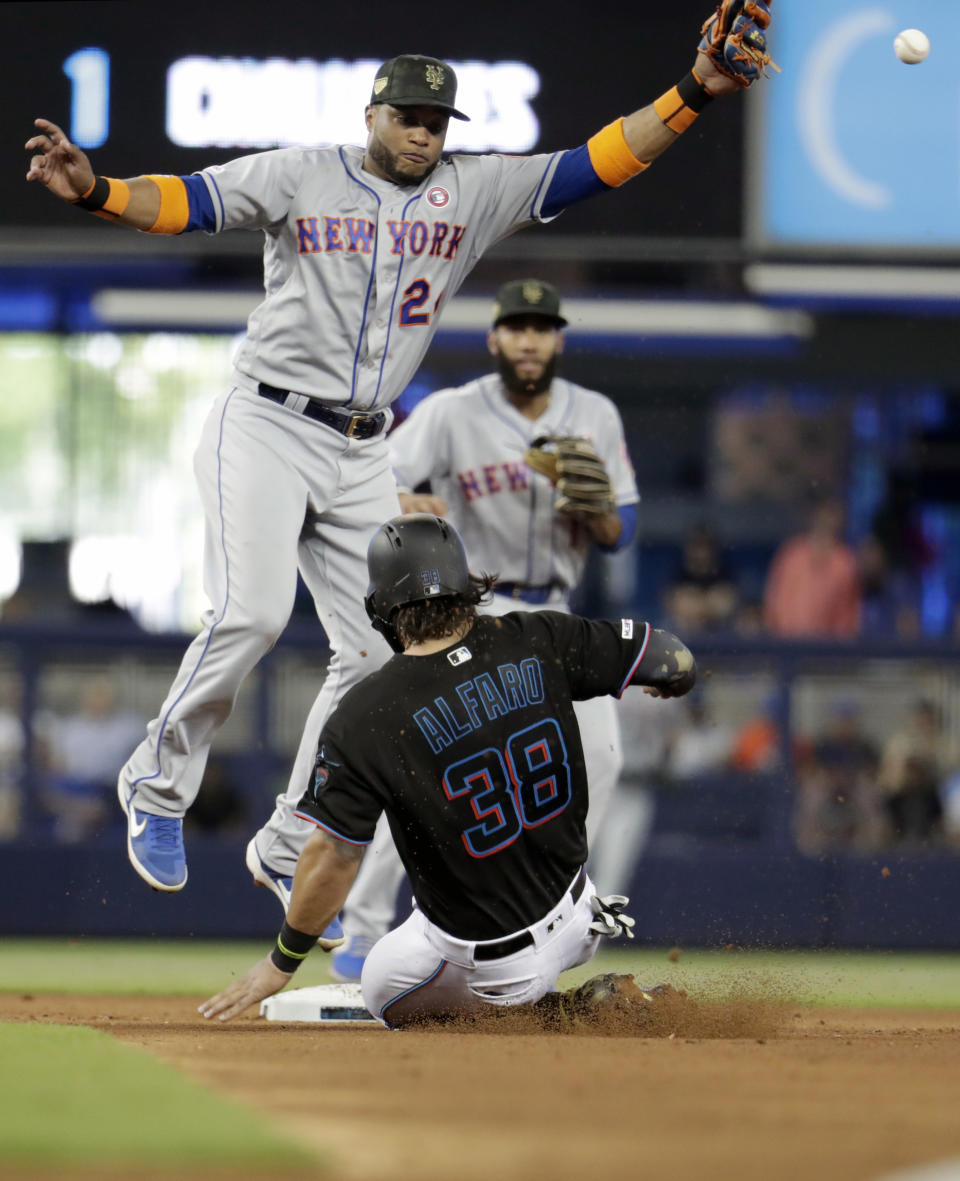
point(379, 84)
point(435, 76)
point(532, 292)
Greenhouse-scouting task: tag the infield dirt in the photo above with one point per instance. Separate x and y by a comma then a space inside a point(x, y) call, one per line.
point(745, 1091)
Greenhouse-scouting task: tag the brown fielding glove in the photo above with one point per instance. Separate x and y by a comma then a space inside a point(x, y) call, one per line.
point(576, 471)
point(734, 39)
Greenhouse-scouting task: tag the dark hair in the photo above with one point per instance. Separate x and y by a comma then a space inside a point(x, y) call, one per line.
point(432, 619)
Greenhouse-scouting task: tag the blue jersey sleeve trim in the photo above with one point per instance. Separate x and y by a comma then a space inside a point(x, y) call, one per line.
point(332, 831)
point(628, 521)
point(573, 180)
point(636, 663)
point(536, 196)
point(202, 213)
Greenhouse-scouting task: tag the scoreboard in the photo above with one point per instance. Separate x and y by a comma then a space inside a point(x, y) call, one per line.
point(178, 86)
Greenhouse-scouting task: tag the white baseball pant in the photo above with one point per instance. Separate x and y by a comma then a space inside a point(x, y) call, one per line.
point(278, 490)
point(418, 970)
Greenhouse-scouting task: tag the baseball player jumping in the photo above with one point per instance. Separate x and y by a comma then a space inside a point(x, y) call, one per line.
point(363, 249)
point(469, 445)
point(479, 770)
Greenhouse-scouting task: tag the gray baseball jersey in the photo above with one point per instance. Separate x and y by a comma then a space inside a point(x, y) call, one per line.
point(357, 269)
point(469, 443)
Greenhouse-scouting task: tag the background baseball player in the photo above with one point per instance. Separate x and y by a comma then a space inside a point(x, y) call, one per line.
point(363, 248)
point(469, 444)
point(479, 769)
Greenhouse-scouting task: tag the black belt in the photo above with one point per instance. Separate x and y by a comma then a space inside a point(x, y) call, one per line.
point(526, 592)
point(505, 947)
point(354, 426)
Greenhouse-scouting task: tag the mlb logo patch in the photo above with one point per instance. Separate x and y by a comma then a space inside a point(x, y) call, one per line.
point(626, 629)
point(459, 656)
point(438, 197)
point(430, 581)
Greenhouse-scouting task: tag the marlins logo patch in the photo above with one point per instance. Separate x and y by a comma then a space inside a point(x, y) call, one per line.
point(438, 197)
point(321, 771)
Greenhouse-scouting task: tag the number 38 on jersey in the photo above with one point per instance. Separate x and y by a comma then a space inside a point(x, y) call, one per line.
point(505, 792)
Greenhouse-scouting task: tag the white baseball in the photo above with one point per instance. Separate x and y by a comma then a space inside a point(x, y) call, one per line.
point(911, 46)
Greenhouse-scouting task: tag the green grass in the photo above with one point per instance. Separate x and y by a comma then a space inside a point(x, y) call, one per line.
point(189, 968)
point(133, 966)
point(73, 1096)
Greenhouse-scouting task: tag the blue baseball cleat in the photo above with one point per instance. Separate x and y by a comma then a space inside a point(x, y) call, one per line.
point(154, 844)
point(281, 886)
point(347, 961)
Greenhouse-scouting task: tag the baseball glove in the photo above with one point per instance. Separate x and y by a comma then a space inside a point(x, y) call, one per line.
point(735, 42)
point(576, 471)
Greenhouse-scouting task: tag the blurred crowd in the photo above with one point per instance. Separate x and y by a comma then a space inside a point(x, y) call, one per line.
point(79, 742)
point(850, 790)
point(856, 788)
point(853, 793)
point(818, 584)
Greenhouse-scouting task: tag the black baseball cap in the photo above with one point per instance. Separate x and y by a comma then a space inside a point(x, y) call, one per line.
point(412, 80)
point(528, 297)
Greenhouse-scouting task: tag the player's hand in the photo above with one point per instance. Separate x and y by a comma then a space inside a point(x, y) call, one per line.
point(732, 54)
point(420, 502)
point(263, 980)
point(713, 80)
point(57, 163)
point(605, 530)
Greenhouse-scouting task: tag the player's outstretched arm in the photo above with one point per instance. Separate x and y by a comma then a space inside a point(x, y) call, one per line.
point(731, 56)
point(324, 875)
point(65, 170)
point(667, 668)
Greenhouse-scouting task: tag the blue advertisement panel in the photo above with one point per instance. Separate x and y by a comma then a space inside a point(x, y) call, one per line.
point(854, 147)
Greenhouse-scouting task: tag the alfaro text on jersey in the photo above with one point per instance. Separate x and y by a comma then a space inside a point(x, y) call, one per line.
point(478, 700)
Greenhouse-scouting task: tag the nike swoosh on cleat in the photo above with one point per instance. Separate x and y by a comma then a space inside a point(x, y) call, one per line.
point(136, 829)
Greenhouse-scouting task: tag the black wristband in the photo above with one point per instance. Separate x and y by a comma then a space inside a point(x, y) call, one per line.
point(97, 197)
point(692, 91)
point(292, 948)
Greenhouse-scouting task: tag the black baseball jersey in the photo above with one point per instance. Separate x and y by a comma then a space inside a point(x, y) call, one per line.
point(474, 753)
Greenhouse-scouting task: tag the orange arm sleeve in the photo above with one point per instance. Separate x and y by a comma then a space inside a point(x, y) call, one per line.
point(174, 207)
point(612, 160)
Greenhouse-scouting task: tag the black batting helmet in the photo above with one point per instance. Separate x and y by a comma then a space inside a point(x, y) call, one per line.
point(415, 558)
